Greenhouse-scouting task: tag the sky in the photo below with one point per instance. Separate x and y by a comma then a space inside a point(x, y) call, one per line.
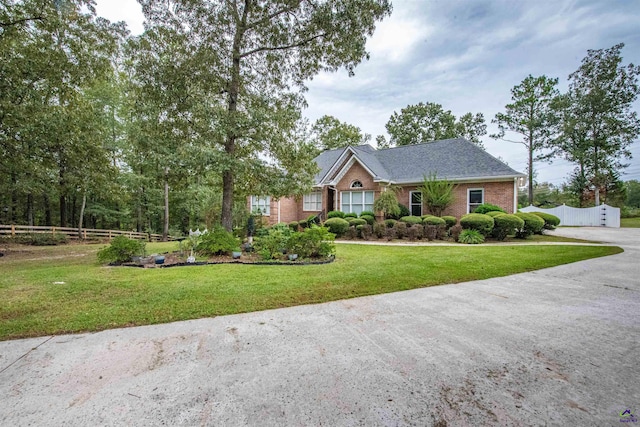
point(465, 55)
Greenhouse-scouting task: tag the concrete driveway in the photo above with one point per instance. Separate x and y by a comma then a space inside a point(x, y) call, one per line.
point(559, 346)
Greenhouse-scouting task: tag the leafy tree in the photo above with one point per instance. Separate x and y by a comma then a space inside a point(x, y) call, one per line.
point(531, 115)
point(437, 194)
point(387, 203)
point(381, 142)
point(430, 122)
point(253, 54)
point(598, 122)
point(330, 133)
point(633, 193)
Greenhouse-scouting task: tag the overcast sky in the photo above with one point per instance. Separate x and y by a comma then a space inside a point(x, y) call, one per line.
point(465, 55)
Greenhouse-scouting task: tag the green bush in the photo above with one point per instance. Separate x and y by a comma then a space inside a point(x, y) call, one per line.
point(532, 225)
point(471, 237)
point(430, 232)
point(313, 220)
point(414, 232)
point(219, 241)
point(493, 214)
point(369, 213)
point(455, 231)
point(434, 220)
point(479, 222)
point(351, 215)
point(390, 223)
point(409, 219)
point(274, 244)
point(401, 229)
point(314, 242)
point(121, 249)
point(450, 221)
point(550, 221)
point(293, 225)
point(351, 233)
point(356, 221)
point(335, 214)
point(379, 229)
point(506, 225)
point(487, 207)
point(337, 225)
point(38, 239)
point(369, 218)
point(364, 231)
point(404, 211)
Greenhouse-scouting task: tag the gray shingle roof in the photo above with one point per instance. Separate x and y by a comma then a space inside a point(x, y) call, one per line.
point(452, 159)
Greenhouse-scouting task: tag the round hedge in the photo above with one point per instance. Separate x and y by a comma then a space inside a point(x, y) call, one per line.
point(369, 218)
point(363, 213)
point(434, 220)
point(505, 225)
point(356, 221)
point(351, 215)
point(293, 225)
point(479, 222)
point(337, 225)
point(532, 225)
point(335, 214)
point(550, 221)
point(450, 220)
point(390, 222)
point(409, 219)
point(488, 207)
point(494, 213)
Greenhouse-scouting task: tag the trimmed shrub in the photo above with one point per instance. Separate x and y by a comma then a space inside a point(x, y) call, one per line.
point(356, 221)
point(335, 214)
point(506, 225)
point(351, 215)
point(337, 226)
point(369, 218)
point(379, 229)
point(494, 214)
point(364, 231)
point(487, 207)
point(450, 221)
point(351, 233)
point(390, 223)
point(369, 213)
point(391, 233)
point(532, 225)
point(401, 229)
point(434, 220)
point(122, 249)
point(409, 219)
point(479, 222)
point(550, 221)
point(415, 232)
point(293, 225)
point(471, 237)
point(455, 231)
point(220, 242)
point(430, 231)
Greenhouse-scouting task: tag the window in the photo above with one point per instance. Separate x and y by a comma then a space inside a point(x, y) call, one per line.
point(475, 197)
point(356, 201)
point(356, 184)
point(261, 205)
point(415, 203)
point(312, 201)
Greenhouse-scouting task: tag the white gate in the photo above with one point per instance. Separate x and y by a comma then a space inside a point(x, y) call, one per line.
point(598, 216)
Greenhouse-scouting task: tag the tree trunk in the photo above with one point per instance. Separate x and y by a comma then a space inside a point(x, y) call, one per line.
point(30, 209)
point(84, 204)
point(165, 230)
point(63, 210)
point(47, 209)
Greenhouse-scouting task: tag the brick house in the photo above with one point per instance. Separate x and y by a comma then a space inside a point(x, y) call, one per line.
point(351, 178)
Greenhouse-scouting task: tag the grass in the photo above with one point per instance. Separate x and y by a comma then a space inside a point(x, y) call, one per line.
point(630, 222)
point(94, 297)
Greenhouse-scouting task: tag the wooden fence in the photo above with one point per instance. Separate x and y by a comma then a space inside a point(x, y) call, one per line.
point(72, 233)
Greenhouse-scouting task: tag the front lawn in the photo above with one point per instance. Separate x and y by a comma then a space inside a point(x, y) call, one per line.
point(62, 289)
point(630, 222)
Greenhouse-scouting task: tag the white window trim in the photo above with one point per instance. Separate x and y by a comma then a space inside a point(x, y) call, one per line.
point(305, 200)
point(342, 194)
point(360, 187)
point(411, 204)
point(469, 190)
point(267, 204)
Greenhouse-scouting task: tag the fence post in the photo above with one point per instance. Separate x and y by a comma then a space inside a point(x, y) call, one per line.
point(53, 231)
point(84, 234)
point(13, 230)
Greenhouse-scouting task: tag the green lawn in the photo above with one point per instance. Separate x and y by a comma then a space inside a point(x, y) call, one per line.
point(94, 297)
point(630, 222)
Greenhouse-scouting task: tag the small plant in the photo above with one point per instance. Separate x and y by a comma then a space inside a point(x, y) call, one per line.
point(471, 237)
point(364, 231)
point(550, 221)
point(488, 207)
point(379, 229)
point(335, 214)
point(293, 225)
point(391, 233)
point(217, 241)
point(337, 225)
point(351, 233)
point(401, 229)
point(479, 222)
point(506, 225)
point(430, 232)
point(415, 232)
point(455, 231)
point(121, 249)
point(410, 219)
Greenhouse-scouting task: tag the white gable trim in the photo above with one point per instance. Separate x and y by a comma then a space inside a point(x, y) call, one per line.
point(337, 163)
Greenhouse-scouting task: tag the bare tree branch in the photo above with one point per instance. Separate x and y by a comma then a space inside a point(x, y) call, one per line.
point(285, 47)
point(21, 21)
point(273, 15)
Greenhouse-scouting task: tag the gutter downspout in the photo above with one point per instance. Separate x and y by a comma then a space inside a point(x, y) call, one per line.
point(515, 195)
point(335, 197)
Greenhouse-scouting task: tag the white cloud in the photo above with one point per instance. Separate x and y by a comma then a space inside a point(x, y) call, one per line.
point(128, 11)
